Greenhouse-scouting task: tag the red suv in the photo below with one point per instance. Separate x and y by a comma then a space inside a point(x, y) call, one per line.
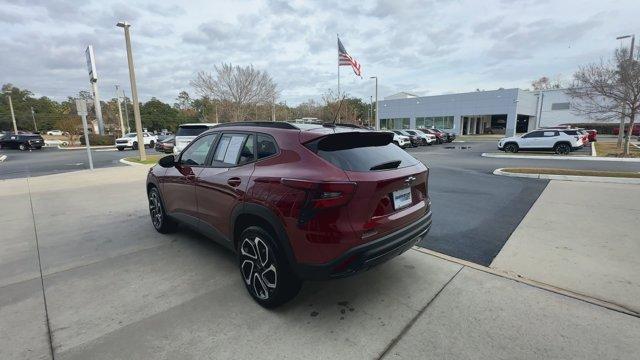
point(294, 201)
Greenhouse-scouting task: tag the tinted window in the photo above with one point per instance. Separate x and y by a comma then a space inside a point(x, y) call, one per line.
point(570, 132)
point(411, 132)
point(191, 130)
point(362, 152)
point(247, 154)
point(229, 148)
point(266, 146)
point(532, 135)
point(196, 153)
point(550, 133)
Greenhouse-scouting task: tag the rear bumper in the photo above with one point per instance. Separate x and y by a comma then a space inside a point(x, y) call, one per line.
point(366, 256)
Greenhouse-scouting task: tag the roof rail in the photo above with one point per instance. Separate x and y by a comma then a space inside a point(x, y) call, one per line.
point(343, 125)
point(271, 124)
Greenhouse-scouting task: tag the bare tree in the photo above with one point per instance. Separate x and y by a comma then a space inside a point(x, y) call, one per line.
point(609, 90)
point(243, 86)
point(545, 83)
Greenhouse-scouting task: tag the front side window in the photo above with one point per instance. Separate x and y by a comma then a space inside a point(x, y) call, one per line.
point(532, 135)
point(196, 153)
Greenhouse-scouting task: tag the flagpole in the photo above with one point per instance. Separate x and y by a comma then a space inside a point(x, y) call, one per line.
point(338, 36)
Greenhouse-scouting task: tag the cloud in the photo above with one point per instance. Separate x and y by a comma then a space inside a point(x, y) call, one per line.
point(411, 45)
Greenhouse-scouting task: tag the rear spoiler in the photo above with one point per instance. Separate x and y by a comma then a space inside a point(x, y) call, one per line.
point(350, 140)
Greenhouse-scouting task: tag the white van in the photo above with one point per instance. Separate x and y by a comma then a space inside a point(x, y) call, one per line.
point(188, 132)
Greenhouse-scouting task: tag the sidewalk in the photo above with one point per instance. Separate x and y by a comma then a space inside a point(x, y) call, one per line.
point(583, 237)
point(116, 289)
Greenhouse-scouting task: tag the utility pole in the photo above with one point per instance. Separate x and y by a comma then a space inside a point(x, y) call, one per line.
point(134, 90)
point(122, 129)
point(370, 110)
point(13, 115)
point(273, 110)
point(33, 116)
point(377, 118)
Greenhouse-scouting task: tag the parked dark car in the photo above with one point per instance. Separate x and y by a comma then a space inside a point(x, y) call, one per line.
point(21, 141)
point(165, 144)
point(414, 139)
point(440, 136)
point(294, 201)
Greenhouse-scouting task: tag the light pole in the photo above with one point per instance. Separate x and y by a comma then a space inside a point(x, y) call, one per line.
point(134, 90)
point(622, 121)
point(13, 115)
point(377, 118)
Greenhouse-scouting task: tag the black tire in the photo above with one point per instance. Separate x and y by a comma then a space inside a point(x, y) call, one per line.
point(120, 148)
point(562, 149)
point(38, 147)
point(22, 147)
point(438, 141)
point(264, 269)
point(395, 142)
point(430, 143)
point(161, 222)
point(135, 146)
point(152, 144)
point(511, 147)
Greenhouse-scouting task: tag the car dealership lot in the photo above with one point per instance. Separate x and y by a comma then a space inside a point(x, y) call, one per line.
point(116, 289)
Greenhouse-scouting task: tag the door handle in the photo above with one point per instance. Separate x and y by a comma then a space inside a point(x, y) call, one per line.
point(234, 181)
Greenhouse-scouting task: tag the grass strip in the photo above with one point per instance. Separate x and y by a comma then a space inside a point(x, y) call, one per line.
point(151, 159)
point(552, 171)
point(609, 149)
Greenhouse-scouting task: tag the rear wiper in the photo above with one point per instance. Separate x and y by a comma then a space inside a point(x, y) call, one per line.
point(387, 165)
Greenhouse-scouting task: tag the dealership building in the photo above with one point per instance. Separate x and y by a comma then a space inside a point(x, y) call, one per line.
point(502, 111)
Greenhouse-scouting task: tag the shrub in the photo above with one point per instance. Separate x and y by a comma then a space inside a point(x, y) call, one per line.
point(95, 139)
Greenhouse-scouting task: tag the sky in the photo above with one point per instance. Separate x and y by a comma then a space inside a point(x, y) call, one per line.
point(423, 47)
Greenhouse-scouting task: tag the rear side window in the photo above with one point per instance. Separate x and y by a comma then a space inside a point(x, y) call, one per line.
point(371, 151)
point(550, 133)
point(266, 146)
point(191, 130)
point(234, 149)
point(570, 132)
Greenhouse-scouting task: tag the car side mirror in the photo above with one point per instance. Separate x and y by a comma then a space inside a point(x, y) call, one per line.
point(167, 161)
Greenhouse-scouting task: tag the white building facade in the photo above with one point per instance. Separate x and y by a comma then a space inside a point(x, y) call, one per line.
point(503, 111)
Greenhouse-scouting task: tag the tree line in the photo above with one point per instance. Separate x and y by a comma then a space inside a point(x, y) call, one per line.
point(230, 93)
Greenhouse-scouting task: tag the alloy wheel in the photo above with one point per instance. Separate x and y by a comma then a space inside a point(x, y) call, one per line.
point(258, 267)
point(155, 209)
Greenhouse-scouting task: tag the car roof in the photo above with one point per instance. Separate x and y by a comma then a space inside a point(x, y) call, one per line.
point(306, 131)
point(197, 124)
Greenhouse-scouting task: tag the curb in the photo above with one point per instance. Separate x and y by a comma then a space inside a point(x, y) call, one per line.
point(596, 179)
point(551, 157)
point(84, 147)
point(131, 163)
point(3, 158)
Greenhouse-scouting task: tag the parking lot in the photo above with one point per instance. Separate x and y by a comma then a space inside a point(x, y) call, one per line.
point(114, 288)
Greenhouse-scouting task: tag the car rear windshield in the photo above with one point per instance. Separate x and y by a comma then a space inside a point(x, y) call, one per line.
point(191, 130)
point(362, 151)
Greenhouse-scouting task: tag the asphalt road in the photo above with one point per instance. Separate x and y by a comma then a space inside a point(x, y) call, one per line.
point(53, 160)
point(475, 211)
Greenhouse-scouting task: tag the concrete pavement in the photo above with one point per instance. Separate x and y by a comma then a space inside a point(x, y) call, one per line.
point(581, 237)
point(115, 289)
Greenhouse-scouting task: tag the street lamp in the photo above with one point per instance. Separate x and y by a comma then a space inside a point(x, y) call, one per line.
point(134, 90)
point(13, 115)
point(377, 118)
point(633, 40)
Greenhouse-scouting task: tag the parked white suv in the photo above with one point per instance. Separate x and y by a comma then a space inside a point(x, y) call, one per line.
point(541, 140)
point(130, 140)
point(188, 132)
point(400, 140)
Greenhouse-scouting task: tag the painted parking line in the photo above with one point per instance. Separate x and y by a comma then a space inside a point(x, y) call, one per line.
point(101, 150)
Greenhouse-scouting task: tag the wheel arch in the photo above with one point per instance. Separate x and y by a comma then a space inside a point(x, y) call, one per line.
point(249, 214)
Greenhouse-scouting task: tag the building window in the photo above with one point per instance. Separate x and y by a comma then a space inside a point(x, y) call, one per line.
point(440, 122)
point(397, 123)
point(560, 106)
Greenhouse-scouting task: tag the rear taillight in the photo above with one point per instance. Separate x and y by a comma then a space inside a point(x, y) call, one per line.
point(323, 195)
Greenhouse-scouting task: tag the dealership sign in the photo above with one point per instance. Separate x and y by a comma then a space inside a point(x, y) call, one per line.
point(91, 64)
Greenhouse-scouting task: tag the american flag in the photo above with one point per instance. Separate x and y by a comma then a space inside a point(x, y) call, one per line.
point(344, 59)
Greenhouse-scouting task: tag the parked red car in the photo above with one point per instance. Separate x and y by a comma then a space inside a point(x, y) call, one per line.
point(440, 136)
point(592, 135)
point(294, 201)
point(636, 129)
